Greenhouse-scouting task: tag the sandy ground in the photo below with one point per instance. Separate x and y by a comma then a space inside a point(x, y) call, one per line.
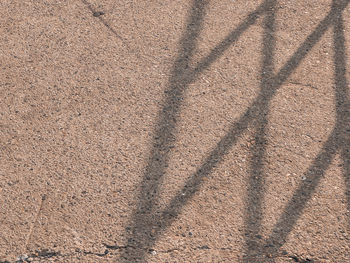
point(175, 131)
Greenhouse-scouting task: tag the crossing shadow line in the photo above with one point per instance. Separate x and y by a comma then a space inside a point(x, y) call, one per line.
point(337, 142)
point(147, 224)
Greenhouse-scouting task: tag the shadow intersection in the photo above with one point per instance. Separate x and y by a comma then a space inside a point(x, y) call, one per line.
point(147, 224)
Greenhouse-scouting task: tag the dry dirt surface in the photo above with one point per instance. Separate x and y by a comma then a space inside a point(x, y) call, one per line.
point(175, 131)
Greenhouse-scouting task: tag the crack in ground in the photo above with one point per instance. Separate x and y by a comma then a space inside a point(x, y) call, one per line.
point(46, 253)
point(303, 84)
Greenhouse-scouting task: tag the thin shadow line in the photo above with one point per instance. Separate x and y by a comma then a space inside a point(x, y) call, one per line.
point(256, 182)
point(124, 42)
point(88, 5)
point(220, 48)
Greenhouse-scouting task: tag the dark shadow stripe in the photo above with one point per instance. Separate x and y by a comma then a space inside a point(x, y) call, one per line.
point(156, 222)
point(342, 101)
point(315, 173)
point(246, 120)
point(144, 219)
point(256, 181)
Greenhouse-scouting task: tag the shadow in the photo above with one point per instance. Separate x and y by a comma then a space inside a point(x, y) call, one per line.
point(337, 142)
point(99, 17)
point(339, 138)
point(145, 221)
point(342, 101)
point(148, 223)
point(104, 22)
point(256, 181)
point(247, 120)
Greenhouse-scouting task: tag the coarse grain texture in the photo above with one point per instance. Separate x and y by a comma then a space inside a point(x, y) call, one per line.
point(175, 131)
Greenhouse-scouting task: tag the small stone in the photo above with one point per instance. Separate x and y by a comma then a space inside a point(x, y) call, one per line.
point(97, 14)
point(22, 258)
point(152, 251)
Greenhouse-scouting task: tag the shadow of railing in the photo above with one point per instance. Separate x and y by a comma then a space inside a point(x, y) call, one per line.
point(147, 224)
point(339, 139)
point(256, 181)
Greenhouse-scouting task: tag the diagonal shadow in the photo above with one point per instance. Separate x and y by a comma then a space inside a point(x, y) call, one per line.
point(148, 224)
point(103, 21)
point(256, 181)
point(343, 101)
point(247, 119)
point(338, 140)
point(144, 219)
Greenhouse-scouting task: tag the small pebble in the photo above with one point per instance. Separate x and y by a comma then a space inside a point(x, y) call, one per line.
point(97, 14)
point(153, 252)
point(23, 258)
